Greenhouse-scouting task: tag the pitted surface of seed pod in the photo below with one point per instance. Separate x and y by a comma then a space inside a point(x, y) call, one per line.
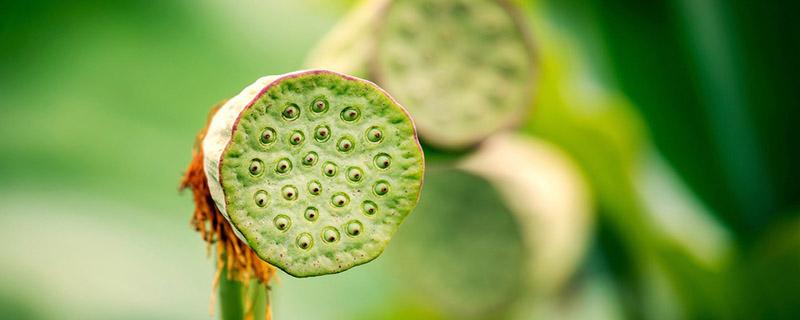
point(464, 68)
point(301, 170)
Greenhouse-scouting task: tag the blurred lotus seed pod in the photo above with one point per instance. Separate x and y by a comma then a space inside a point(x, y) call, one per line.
point(462, 253)
point(315, 170)
point(464, 68)
point(549, 198)
point(508, 225)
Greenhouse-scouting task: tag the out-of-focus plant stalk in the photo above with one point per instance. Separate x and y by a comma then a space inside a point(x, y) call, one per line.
point(238, 300)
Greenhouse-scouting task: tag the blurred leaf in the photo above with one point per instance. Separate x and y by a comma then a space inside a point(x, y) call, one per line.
point(602, 132)
point(699, 71)
point(772, 269)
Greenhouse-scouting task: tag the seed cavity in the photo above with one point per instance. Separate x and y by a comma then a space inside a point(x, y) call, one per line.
point(311, 214)
point(291, 111)
point(305, 241)
point(314, 187)
point(256, 167)
point(330, 234)
point(322, 133)
point(329, 169)
point(289, 192)
point(354, 228)
point(319, 105)
point(268, 136)
point(261, 198)
point(369, 208)
point(282, 222)
point(296, 138)
point(340, 200)
point(283, 166)
point(350, 114)
point(310, 159)
point(345, 144)
point(374, 134)
point(381, 188)
point(383, 161)
point(355, 174)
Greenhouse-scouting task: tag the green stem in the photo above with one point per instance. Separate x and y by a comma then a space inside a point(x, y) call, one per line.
point(235, 297)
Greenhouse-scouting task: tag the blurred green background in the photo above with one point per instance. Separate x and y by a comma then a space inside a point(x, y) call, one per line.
point(680, 115)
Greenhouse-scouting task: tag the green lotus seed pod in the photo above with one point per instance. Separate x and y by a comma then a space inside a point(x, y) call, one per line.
point(465, 68)
point(465, 255)
point(549, 198)
point(517, 202)
point(273, 157)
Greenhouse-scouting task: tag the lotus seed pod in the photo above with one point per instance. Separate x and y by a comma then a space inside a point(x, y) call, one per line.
point(549, 198)
point(291, 164)
point(463, 252)
point(465, 68)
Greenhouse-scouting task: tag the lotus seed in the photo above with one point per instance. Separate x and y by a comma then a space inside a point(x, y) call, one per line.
point(296, 138)
point(283, 166)
point(282, 222)
point(304, 240)
point(256, 166)
point(268, 136)
point(383, 161)
point(374, 134)
point(289, 192)
point(261, 198)
point(319, 105)
point(354, 228)
point(311, 214)
point(340, 200)
point(350, 114)
point(369, 208)
point(329, 169)
point(381, 188)
point(322, 133)
point(314, 187)
point(354, 174)
point(330, 234)
point(310, 159)
point(345, 144)
point(291, 112)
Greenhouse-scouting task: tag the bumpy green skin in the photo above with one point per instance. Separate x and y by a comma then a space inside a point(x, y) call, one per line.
point(300, 194)
point(464, 68)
